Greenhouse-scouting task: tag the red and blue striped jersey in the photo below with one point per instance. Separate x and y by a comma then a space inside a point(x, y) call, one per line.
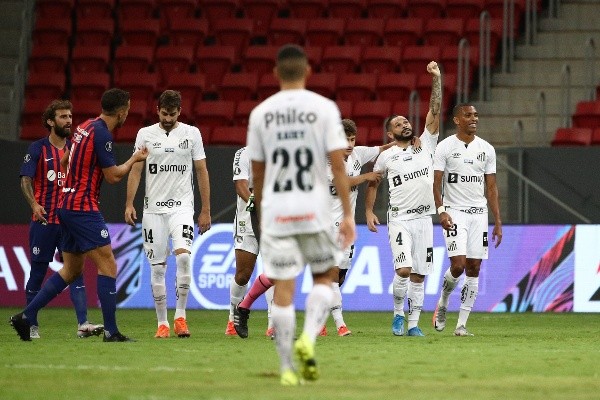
point(42, 165)
point(91, 150)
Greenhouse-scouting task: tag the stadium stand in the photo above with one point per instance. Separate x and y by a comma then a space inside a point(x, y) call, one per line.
point(140, 32)
point(587, 114)
point(572, 137)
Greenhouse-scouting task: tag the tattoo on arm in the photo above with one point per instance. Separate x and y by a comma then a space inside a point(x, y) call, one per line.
point(436, 95)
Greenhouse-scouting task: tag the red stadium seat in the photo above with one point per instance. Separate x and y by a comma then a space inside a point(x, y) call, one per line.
point(89, 85)
point(214, 113)
point(416, 58)
point(341, 59)
point(260, 59)
point(362, 135)
point(371, 113)
point(45, 85)
point(496, 10)
point(229, 135)
point(84, 109)
point(188, 32)
point(140, 32)
point(308, 9)
point(49, 59)
point(135, 9)
point(55, 10)
point(95, 32)
point(173, 10)
point(214, 62)
point(141, 86)
point(348, 9)
point(386, 8)
point(90, 58)
point(261, 12)
point(572, 137)
point(403, 108)
point(448, 88)
point(464, 8)
point(243, 110)
point(170, 60)
point(47, 32)
point(133, 59)
point(356, 86)
point(345, 107)
point(267, 86)
point(426, 8)
point(381, 60)
point(205, 132)
point(95, 8)
point(403, 31)
point(472, 35)
point(233, 32)
point(595, 137)
point(587, 114)
point(376, 134)
point(33, 110)
point(126, 133)
point(287, 30)
point(314, 55)
point(449, 61)
point(443, 31)
point(324, 83)
point(364, 32)
point(395, 87)
point(238, 86)
point(214, 10)
point(324, 31)
point(139, 115)
point(190, 85)
point(33, 131)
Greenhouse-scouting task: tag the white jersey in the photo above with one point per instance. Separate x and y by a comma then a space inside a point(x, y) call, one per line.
point(409, 173)
point(169, 176)
point(242, 170)
point(464, 169)
point(360, 156)
point(293, 131)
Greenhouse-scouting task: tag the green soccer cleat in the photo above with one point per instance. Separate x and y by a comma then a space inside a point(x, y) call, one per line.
point(305, 351)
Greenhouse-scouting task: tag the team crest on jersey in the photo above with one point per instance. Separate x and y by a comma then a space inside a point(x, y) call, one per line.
point(36, 250)
point(104, 233)
point(108, 146)
point(481, 156)
point(26, 158)
point(184, 144)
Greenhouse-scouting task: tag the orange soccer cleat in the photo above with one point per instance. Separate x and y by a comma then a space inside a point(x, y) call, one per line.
point(323, 331)
point(344, 331)
point(163, 332)
point(181, 328)
point(230, 331)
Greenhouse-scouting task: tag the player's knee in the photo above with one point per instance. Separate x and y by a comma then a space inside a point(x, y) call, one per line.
point(183, 261)
point(403, 272)
point(158, 274)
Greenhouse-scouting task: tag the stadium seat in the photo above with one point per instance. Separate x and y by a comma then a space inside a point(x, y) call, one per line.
point(214, 10)
point(89, 85)
point(214, 113)
point(141, 86)
point(403, 31)
point(345, 107)
point(261, 12)
point(381, 60)
point(260, 59)
point(44, 85)
point(173, 10)
point(394, 87)
point(587, 114)
point(133, 59)
point(287, 30)
point(402, 107)
point(362, 135)
point(364, 32)
point(214, 62)
point(94, 31)
point(33, 110)
point(90, 58)
point(98, 9)
point(33, 131)
point(375, 135)
point(173, 60)
point(140, 32)
point(315, 56)
point(324, 83)
point(49, 59)
point(416, 58)
point(47, 32)
point(55, 10)
point(356, 86)
point(324, 31)
point(135, 9)
point(233, 32)
point(371, 113)
point(84, 109)
point(229, 135)
point(464, 8)
point(426, 8)
point(239, 86)
point(188, 32)
point(190, 85)
point(309, 9)
point(242, 112)
point(595, 137)
point(472, 35)
point(448, 88)
point(347, 9)
point(139, 115)
point(126, 133)
point(443, 31)
point(572, 137)
point(267, 86)
point(449, 61)
point(205, 132)
point(341, 59)
point(386, 8)
point(186, 114)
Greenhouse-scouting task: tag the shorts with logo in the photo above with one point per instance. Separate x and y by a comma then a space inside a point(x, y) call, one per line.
point(44, 240)
point(82, 231)
point(246, 243)
point(411, 242)
point(158, 228)
point(470, 234)
point(285, 257)
point(347, 253)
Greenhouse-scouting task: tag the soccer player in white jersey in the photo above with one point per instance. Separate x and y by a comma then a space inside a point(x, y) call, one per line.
point(246, 253)
point(465, 165)
point(175, 149)
point(409, 171)
point(355, 157)
point(290, 137)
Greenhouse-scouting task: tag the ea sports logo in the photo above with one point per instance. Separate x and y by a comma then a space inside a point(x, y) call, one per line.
point(213, 267)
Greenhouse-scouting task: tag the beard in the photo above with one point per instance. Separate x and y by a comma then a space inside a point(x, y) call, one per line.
point(406, 135)
point(63, 132)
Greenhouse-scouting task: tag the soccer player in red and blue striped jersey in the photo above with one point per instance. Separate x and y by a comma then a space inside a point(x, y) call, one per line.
point(42, 179)
point(84, 232)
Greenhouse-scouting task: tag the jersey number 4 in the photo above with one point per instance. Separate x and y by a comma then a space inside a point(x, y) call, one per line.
point(303, 158)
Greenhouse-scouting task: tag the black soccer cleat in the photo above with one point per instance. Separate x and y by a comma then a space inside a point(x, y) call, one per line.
point(20, 324)
point(116, 337)
point(240, 321)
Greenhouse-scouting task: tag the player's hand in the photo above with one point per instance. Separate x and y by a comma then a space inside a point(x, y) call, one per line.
point(372, 221)
point(416, 142)
point(347, 232)
point(250, 204)
point(204, 222)
point(446, 221)
point(433, 69)
point(38, 214)
point(373, 177)
point(140, 154)
point(497, 235)
point(130, 215)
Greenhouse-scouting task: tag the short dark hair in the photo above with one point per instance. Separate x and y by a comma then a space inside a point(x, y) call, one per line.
point(387, 123)
point(349, 127)
point(458, 107)
point(50, 111)
point(169, 99)
point(113, 100)
point(291, 62)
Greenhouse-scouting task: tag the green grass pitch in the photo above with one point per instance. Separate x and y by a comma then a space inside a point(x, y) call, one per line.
point(511, 356)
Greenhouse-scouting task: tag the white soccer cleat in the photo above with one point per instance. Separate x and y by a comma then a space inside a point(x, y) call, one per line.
point(34, 332)
point(462, 331)
point(88, 329)
point(439, 318)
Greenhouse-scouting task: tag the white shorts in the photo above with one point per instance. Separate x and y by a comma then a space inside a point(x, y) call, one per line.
point(347, 253)
point(411, 242)
point(470, 235)
point(247, 243)
point(158, 228)
point(284, 257)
